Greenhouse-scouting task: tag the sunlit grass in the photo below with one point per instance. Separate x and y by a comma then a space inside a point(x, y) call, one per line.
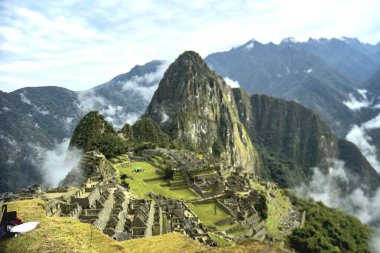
point(206, 212)
point(142, 189)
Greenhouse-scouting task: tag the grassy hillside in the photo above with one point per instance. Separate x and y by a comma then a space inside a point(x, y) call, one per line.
point(56, 234)
point(67, 235)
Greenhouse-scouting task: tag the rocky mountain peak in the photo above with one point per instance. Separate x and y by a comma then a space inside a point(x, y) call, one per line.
point(195, 107)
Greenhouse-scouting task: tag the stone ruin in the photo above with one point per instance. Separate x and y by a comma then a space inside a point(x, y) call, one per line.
point(208, 185)
point(175, 216)
point(94, 166)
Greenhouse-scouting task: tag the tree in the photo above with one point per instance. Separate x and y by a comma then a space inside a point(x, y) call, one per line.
point(125, 184)
point(168, 174)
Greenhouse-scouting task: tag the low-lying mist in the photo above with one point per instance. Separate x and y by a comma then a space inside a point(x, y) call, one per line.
point(55, 163)
point(328, 188)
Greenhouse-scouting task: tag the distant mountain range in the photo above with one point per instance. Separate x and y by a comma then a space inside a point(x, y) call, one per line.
point(319, 74)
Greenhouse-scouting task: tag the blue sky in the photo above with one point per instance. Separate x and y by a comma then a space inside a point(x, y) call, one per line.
point(80, 44)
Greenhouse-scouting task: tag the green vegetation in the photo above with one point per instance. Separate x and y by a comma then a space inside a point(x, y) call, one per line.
point(110, 145)
point(89, 128)
point(94, 133)
point(147, 130)
point(145, 134)
point(210, 214)
point(149, 181)
point(329, 230)
point(261, 207)
point(219, 240)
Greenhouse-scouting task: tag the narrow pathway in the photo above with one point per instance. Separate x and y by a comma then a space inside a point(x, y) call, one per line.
point(148, 232)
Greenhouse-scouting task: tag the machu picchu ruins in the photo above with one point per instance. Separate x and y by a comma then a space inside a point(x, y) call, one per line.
point(105, 197)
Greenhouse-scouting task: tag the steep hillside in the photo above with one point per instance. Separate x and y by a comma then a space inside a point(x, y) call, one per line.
point(147, 130)
point(292, 139)
point(31, 118)
point(373, 87)
point(89, 128)
point(195, 107)
point(290, 72)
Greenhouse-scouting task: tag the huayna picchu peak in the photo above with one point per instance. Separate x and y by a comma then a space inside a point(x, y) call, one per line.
point(195, 107)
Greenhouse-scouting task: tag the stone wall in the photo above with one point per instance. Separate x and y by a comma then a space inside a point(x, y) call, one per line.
point(105, 214)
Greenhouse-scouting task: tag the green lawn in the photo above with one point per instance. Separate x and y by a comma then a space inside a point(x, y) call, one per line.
point(206, 213)
point(142, 189)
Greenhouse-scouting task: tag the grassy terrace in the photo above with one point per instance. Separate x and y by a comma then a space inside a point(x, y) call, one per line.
point(278, 206)
point(206, 213)
point(142, 188)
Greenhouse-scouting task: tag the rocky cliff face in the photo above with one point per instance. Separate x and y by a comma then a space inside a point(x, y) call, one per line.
point(196, 108)
point(291, 140)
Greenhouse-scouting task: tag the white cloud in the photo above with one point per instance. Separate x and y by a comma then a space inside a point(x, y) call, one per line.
point(164, 117)
point(231, 83)
point(308, 71)
point(11, 141)
point(24, 99)
point(359, 136)
point(55, 163)
point(355, 104)
point(78, 44)
point(147, 84)
point(116, 115)
point(143, 86)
